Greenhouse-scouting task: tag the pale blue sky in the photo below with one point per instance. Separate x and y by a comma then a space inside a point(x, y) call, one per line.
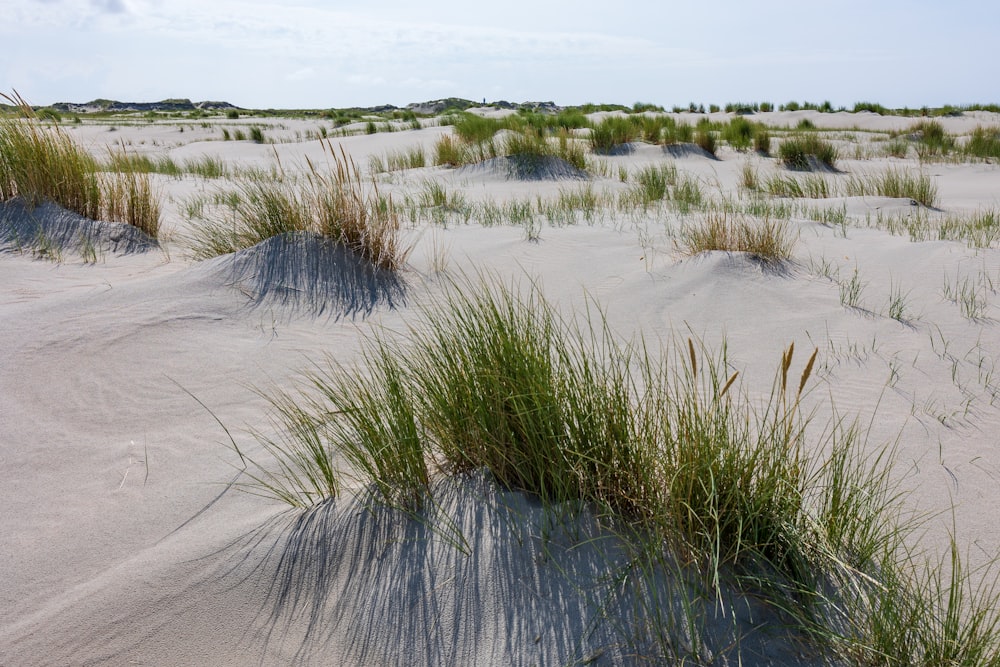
point(306, 53)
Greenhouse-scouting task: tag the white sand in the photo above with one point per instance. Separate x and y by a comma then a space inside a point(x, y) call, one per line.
point(122, 542)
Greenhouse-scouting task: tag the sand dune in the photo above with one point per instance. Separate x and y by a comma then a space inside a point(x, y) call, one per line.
point(127, 539)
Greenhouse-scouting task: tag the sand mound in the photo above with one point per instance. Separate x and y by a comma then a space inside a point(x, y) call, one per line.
point(52, 226)
point(309, 272)
point(687, 150)
point(486, 577)
point(523, 167)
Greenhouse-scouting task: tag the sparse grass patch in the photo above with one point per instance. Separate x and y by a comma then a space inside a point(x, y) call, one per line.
point(968, 294)
point(812, 186)
point(766, 239)
point(749, 179)
point(687, 194)
point(851, 290)
point(894, 182)
point(898, 307)
point(410, 158)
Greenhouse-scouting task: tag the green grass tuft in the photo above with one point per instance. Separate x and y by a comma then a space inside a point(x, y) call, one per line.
point(894, 183)
point(802, 152)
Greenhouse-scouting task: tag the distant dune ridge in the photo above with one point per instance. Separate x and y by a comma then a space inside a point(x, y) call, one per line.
point(146, 397)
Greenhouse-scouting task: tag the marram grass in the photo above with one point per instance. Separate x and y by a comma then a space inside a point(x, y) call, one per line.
point(493, 378)
point(335, 203)
point(44, 163)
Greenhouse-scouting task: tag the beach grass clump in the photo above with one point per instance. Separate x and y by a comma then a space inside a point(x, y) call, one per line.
point(763, 238)
point(410, 158)
point(334, 203)
point(811, 186)
point(653, 183)
point(123, 161)
point(762, 140)
point(984, 142)
point(704, 137)
point(475, 129)
point(613, 132)
point(45, 163)
point(260, 206)
point(666, 446)
point(806, 151)
point(531, 145)
point(450, 151)
point(932, 140)
point(739, 133)
point(894, 182)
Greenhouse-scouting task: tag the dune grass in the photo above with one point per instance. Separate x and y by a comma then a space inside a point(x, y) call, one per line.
point(613, 132)
point(764, 238)
point(45, 163)
point(666, 445)
point(334, 203)
point(932, 140)
point(894, 183)
point(478, 139)
point(803, 151)
point(983, 143)
point(812, 186)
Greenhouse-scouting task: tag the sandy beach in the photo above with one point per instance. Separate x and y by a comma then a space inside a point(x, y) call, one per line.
point(128, 539)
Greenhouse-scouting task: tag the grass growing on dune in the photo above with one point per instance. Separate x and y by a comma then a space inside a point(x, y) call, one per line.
point(983, 143)
point(764, 238)
point(41, 163)
point(894, 183)
point(477, 141)
point(335, 203)
point(803, 151)
point(492, 378)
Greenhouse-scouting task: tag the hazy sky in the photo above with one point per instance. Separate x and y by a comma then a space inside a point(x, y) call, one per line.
point(307, 53)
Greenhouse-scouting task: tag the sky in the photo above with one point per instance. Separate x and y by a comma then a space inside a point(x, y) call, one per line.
point(288, 54)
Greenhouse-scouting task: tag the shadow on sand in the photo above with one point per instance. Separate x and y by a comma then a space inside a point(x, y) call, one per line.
point(483, 576)
point(311, 273)
point(50, 226)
